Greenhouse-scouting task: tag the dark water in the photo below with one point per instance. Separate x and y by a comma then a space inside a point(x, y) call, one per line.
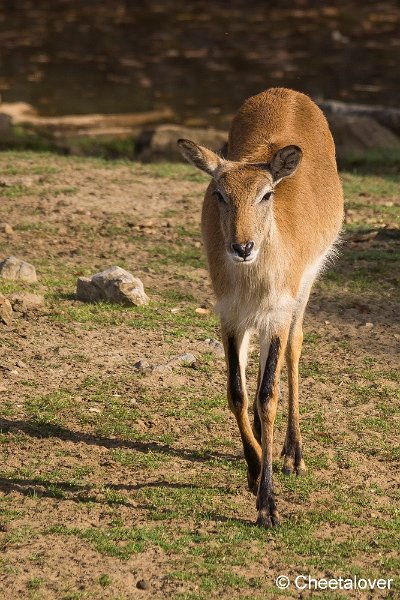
point(201, 59)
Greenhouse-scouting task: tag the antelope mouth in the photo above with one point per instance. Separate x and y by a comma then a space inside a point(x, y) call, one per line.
point(247, 260)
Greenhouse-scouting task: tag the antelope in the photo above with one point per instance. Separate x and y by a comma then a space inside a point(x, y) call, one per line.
point(270, 220)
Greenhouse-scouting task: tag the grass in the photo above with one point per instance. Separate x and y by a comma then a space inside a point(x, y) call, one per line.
point(126, 466)
point(371, 186)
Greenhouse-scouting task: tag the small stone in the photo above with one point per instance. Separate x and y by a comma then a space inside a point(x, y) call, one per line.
point(142, 584)
point(186, 359)
point(369, 325)
point(161, 368)
point(6, 228)
point(114, 285)
point(142, 366)
point(94, 410)
point(17, 269)
point(24, 302)
point(6, 311)
point(216, 346)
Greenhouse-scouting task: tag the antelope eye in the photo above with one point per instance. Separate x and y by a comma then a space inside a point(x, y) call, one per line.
point(267, 196)
point(219, 196)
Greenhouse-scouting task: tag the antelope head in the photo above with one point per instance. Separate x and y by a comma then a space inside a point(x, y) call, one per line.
point(244, 192)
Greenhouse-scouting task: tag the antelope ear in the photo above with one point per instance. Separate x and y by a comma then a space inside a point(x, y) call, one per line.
point(285, 162)
point(200, 157)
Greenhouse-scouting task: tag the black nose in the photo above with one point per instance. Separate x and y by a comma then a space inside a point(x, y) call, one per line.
point(243, 250)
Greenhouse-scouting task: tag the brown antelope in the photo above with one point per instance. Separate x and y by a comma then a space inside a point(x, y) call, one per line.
point(271, 216)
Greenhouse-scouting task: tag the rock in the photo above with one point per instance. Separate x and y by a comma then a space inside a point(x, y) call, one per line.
point(24, 302)
point(385, 116)
point(216, 346)
point(355, 135)
point(6, 228)
point(159, 143)
point(142, 366)
point(142, 584)
point(186, 359)
point(114, 285)
point(161, 369)
point(16, 269)
point(6, 310)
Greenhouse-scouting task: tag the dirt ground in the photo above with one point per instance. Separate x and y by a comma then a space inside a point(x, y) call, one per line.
point(117, 483)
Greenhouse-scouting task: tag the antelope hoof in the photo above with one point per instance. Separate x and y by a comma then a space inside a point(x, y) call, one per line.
point(267, 518)
point(293, 461)
point(268, 515)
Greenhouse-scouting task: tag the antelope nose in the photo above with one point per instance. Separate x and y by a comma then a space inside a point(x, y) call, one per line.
point(243, 250)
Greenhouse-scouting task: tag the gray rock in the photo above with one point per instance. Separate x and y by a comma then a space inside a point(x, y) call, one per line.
point(355, 135)
point(24, 302)
point(6, 311)
point(17, 269)
point(161, 369)
point(216, 346)
point(114, 285)
point(142, 366)
point(186, 359)
point(386, 116)
point(159, 143)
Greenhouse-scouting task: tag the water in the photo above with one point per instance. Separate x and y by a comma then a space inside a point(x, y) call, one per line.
point(200, 59)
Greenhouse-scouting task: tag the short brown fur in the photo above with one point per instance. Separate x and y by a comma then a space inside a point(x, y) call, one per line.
point(271, 215)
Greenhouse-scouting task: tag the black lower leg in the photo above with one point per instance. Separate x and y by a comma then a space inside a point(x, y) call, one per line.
point(256, 417)
point(266, 504)
point(256, 423)
point(267, 382)
point(234, 377)
point(236, 395)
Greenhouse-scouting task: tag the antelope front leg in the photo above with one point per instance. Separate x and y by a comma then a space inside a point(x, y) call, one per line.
point(267, 400)
point(292, 448)
point(236, 346)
